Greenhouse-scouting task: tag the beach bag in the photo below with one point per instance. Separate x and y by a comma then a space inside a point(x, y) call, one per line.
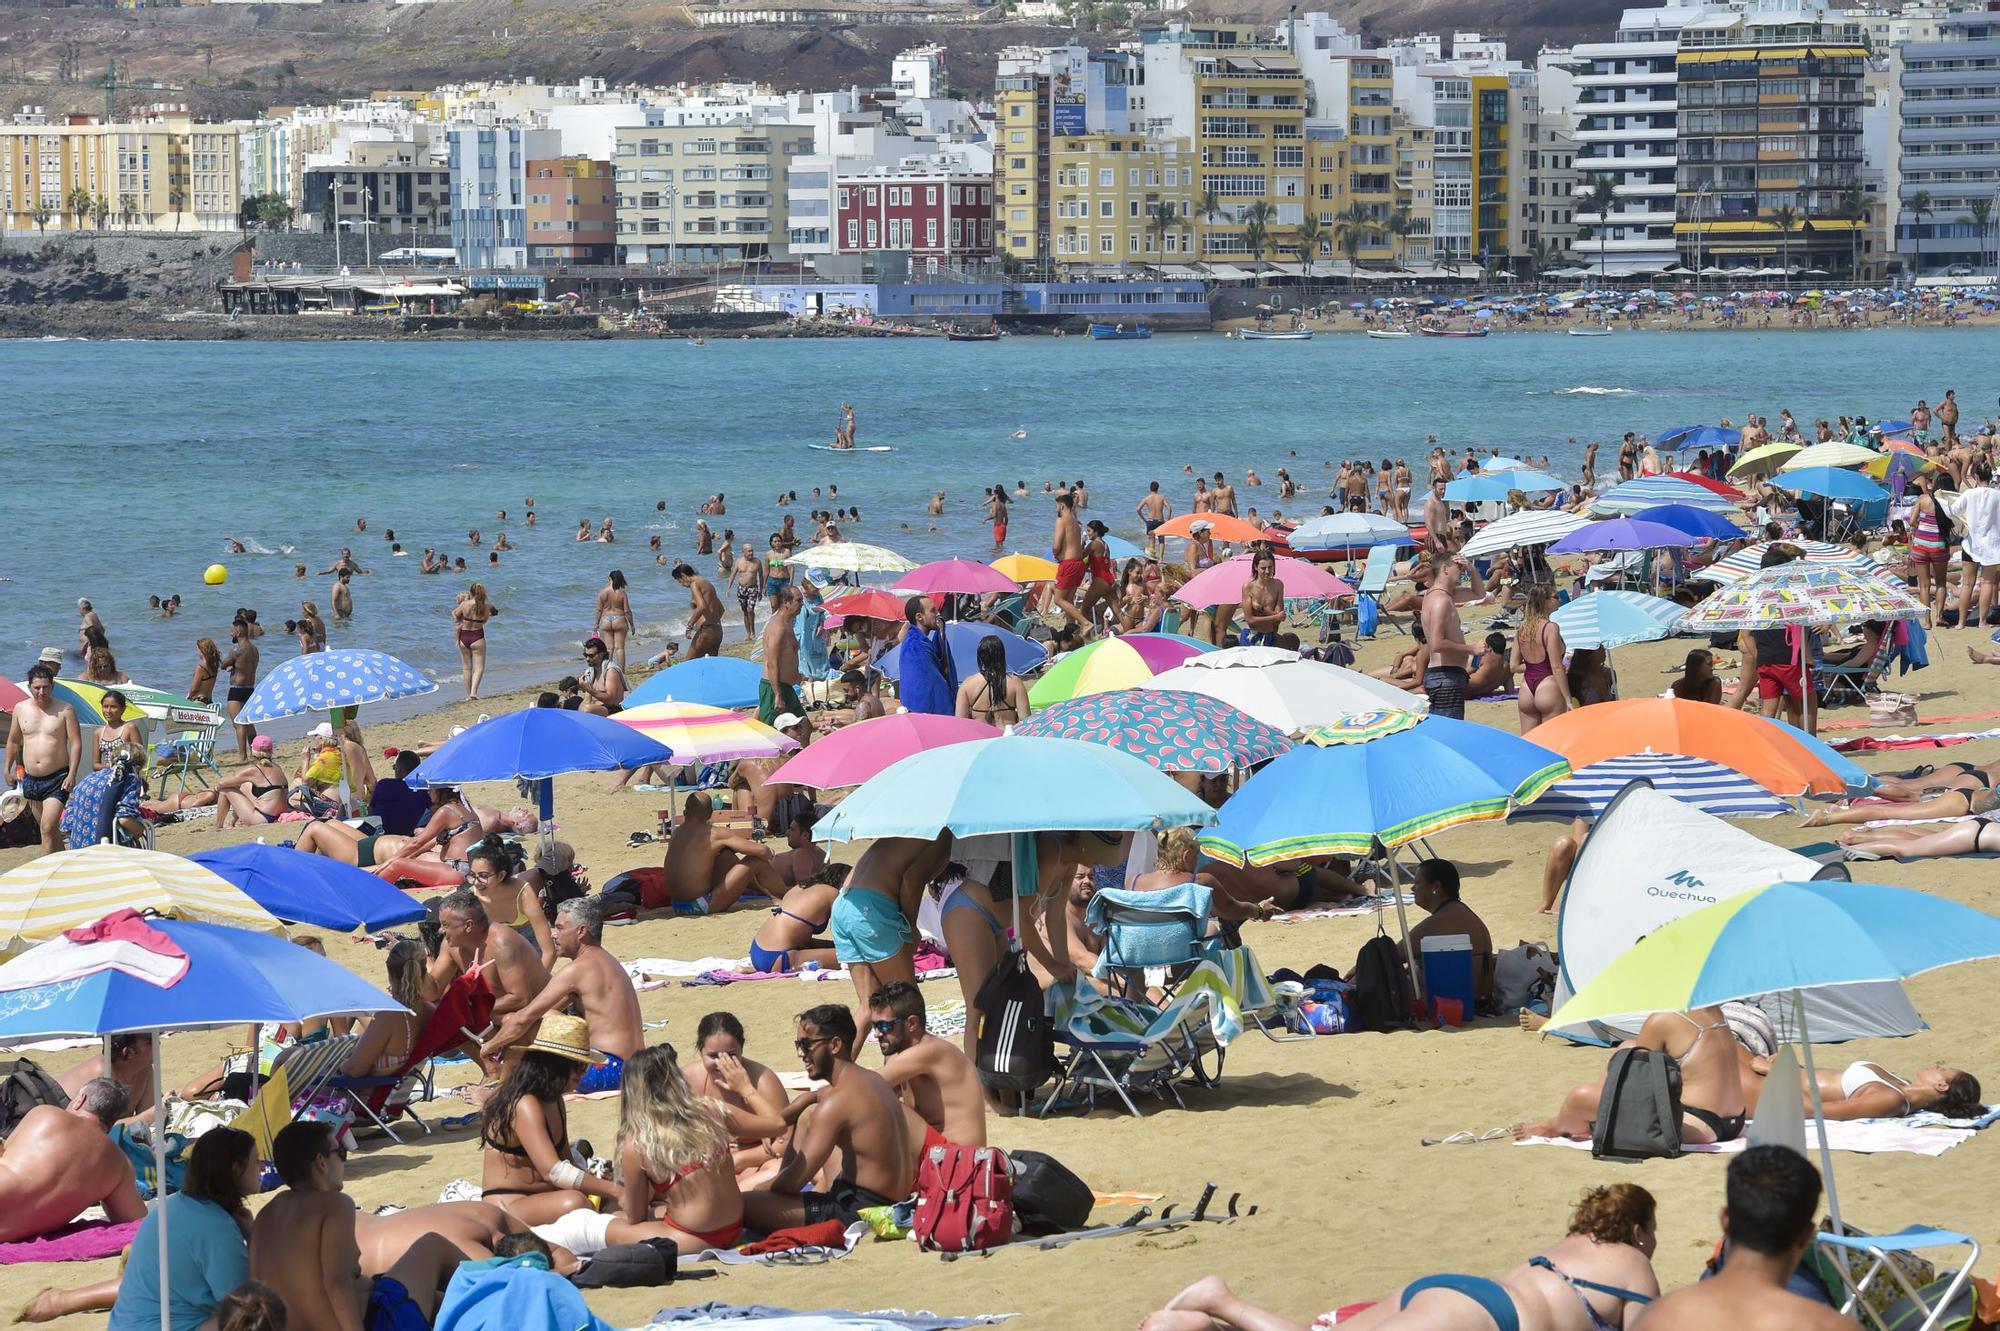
point(1892, 709)
point(1523, 974)
point(1048, 1198)
point(1381, 998)
point(27, 1086)
point(1017, 1048)
point(965, 1199)
point(630, 1265)
point(620, 898)
point(1639, 1115)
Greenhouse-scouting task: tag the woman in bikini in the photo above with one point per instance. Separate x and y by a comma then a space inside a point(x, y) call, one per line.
point(255, 793)
point(614, 617)
point(1538, 656)
point(496, 873)
point(208, 665)
point(1712, 1104)
point(1975, 836)
point(312, 629)
point(1869, 1090)
point(993, 695)
point(1956, 802)
point(468, 622)
point(436, 856)
point(116, 732)
point(791, 938)
point(675, 1165)
point(749, 1095)
point(970, 919)
point(1929, 781)
point(1593, 1279)
point(527, 1168)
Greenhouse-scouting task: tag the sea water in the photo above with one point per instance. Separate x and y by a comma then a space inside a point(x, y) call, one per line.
point(124, 465)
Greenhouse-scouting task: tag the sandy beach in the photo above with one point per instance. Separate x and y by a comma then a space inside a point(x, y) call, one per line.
point(1322, 1137)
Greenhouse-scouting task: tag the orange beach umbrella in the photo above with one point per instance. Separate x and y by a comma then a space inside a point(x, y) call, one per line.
point(1742, 741)
point(1222, 527)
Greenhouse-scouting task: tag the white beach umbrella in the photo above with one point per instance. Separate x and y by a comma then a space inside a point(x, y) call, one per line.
point(1531, 526)
point(1282, 689)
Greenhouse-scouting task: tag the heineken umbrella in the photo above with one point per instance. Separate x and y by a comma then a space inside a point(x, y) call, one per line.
point(157, 704)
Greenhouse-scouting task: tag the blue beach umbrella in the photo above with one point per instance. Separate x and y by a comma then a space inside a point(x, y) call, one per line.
point(1485, 489)
point(1652, 491)
point(1699, 436)
point(1528, 482)
point(713, 681)
point(310, 889)
point(1621, 534)
point(964, 639)
point(1708, 786)
point(1616, 619)
point(1119, 549)
point(1830, 483)
point(1857, 779)
point(1894, 427)
point(1694, 521)
point(332, 681)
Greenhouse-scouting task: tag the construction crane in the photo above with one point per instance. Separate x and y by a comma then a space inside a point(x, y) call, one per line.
point(109, 83)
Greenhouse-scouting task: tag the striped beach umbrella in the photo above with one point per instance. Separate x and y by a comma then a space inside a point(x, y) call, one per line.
point(1708, 786)
point(699, 734)
point(1175, 732)
point(1113, 663)
point(1614, 619)
point(1833, 453)
point(72, 888)
point(1651, 491)
point(1750, 558)
point(1533, 526)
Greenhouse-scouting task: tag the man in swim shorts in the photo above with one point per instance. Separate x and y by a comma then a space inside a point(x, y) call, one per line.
point(45, 749)
point(996, 510)
point(870, 920)
point(778, 688)
point(1446, 655)
point(1070, 567)
point(595, 983)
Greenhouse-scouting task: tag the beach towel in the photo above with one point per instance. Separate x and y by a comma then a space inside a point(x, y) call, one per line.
point(1368, 907)
point(78, 1241)
point(513, 1297)
point(1942, 740)
point(764, 1315)
point(806, 1243)
point(1866, 1136)
point(651, 970)
point(1863, 723)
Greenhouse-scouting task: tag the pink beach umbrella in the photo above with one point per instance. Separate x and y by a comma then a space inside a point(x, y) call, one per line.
point(965, 576)
point(1224, 583)
point(850, 756)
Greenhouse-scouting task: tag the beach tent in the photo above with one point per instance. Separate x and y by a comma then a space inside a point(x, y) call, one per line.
point(1651, 859)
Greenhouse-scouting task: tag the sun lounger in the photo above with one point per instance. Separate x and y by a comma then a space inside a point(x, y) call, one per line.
point(1375, 583)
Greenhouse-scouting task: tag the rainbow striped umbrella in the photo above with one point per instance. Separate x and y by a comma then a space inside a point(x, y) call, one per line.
point(1113, 663)
point(1175, 732)
point(699, 734)
point(1751, 558)
point(72, 888)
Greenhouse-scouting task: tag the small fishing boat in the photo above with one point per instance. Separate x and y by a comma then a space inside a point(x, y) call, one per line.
point(1451, 332)
point(1275, 335)
point(1590, 332)
point(1120, 333)
point(1390, 334)
point(982, 335)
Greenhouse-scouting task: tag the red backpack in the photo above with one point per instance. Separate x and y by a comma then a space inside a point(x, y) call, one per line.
point(965, 1199)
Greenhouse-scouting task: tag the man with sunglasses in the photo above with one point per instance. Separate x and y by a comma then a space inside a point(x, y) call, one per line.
point(933, 1075)
point(856, 1122)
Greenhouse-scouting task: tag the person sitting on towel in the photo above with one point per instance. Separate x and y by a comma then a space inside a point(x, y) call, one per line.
point(1596, 1277)
point(1712, 1105)
point(935, 1076)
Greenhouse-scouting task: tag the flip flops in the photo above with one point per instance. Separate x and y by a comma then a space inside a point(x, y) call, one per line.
point(1469, 1138)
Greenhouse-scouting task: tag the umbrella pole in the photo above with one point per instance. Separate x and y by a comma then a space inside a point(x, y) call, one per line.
point(338, 717)
point(159, 1135)
point(1812, 1084)
point(1403, 923)
point(545, 806)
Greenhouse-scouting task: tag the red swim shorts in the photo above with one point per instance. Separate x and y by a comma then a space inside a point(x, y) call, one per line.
point(1779, 681)
point(1069, 575)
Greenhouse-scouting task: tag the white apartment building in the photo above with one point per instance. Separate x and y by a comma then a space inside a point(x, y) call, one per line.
point(1627, 120)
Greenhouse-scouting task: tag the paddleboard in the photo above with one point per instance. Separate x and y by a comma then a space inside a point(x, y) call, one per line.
point(870, 448)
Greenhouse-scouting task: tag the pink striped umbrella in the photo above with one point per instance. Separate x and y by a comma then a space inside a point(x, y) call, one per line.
point(955, 575)
point(850, 756)
point(1224, 583)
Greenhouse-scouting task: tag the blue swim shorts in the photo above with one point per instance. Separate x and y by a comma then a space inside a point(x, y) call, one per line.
point(867, 927)
point(606, 1076)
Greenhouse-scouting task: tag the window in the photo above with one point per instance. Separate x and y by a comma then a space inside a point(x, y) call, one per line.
point(930, 194)
point(1106, 178)
point(1107, 243)
point(1104, 208)
point(871, 232)
point(871, 203)
point(931, 233)
point(853, 233)
point(843, 197)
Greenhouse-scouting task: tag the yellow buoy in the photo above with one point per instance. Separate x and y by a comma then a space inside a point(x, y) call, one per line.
point(215, 575)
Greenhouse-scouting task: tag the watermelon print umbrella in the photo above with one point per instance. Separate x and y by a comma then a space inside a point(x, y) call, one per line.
point(1173, 731)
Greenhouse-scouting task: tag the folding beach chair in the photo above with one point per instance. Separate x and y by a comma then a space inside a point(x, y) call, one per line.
point(310, 1064)
point(1885, 1284)
point(1852, 682)
point(1127, 1047)
point(188, 756)
point(1374, 583)
point(403, 1087)
point(1159, 932)
point(1249, 990)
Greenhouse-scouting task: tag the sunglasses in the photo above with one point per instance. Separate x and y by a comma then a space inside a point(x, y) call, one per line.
point(885, 1027)
point(340, 1151)
point(806, 1044)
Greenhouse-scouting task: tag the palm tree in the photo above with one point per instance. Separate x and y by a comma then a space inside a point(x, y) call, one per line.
point(1257, 230)
point(1787, 219)
point(1350, 230)
point(78, 204)
point(100, 208)
point(1980, 213)
point(1853, 206)
point(1919, 207)
point(1401, 226)
point(1547, 254)
point(1210, 205)
point(40, 215)
point(1159, 218)
point(128, 206)
point(1307, 241)
point(177, 200)
point(1599, 199)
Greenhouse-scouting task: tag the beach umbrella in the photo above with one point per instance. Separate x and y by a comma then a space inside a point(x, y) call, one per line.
point(1528, 482)
point(1530, 526)
point(853, 754)
point(1120, 549)
point(1652, 491)
point(1170, 730)
point(1750, 558)
point(1113, 663)
point(1621, 534)
point(1338, 795)
point(1708, 483)
point(45, 896)
point(1345, 531)
point(1894, 427)
point(128, 975)
point(698, 734)
point(1699, 436)
point(1223, 583)
point(1616, 619)
point(1025, 569)
point(1804, 594)
point(12, 695)
point(1504, 464)
point(1222, 527)
point(1763, 458)
point(310, 889)
point(156, 704)
point(1741, 741)
point(966, 577)
point(1857, 780)
point(1697, 522)
point(1831, 483)
point(1709, 786)
point(1283, 689)
point(868, 603)
point(849, 557)
point(1833, 453)
point(1787, 936)
point(723, 681)
point(1480, 489)
point(963, 638)
point(332, 681)
point(1012, 784)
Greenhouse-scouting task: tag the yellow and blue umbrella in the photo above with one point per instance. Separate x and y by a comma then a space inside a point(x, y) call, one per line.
point(1331, 796)
point(71, 888)
point(1114, 663)
point(1175, 732)
point(158, 704)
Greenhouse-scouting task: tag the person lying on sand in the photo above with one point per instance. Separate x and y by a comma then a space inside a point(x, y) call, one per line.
point(1712, 1104)
point(1869, 1090)
point(1952, 803)
point(1927, 781)
point(1596, 1276)
point(58, 1162)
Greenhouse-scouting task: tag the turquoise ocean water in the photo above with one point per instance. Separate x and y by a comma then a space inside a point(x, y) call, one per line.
point(124, 464)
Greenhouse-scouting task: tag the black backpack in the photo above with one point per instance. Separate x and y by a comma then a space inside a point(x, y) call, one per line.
point(1017, 1048)
point(1381, 999)
point(1639, 1116)
point(1048, 1198)
point(25, 1087)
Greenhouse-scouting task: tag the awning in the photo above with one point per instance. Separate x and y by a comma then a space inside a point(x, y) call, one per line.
point(1226, 272)
point(1839, 52)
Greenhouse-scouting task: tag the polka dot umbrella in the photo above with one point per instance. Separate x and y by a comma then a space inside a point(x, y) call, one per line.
point(1173, 731)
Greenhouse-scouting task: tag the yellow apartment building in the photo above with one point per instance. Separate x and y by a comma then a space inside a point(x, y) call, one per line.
point(165, 172)
point(1106, 195)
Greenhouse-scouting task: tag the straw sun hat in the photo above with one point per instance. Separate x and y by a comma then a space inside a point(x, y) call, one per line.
point(566, 1037)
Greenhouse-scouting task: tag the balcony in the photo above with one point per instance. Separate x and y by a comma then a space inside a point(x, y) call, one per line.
point(1642, 134)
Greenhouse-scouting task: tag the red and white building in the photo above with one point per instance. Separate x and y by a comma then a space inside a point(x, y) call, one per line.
point(938, 207)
